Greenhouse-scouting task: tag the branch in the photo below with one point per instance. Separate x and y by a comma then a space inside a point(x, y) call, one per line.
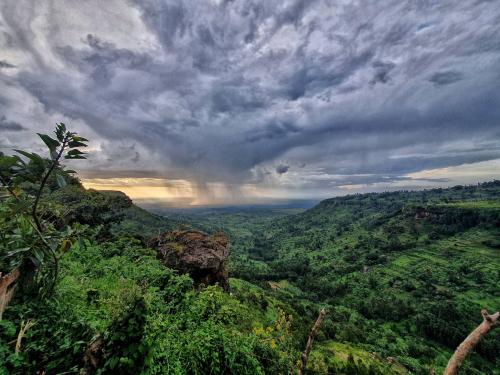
point(9, 188)
point(489, 322)
point(22, 333)
point(34, 214)
point(36, 226)
point(52, 252)
point(310, 340)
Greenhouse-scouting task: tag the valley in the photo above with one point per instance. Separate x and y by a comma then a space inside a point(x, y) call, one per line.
point(386, 266)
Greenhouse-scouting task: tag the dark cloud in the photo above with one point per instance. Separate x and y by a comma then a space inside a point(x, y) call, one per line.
point(5, 64)
point(445, 78)
point(102, 61)
point(282, 168)
point(397, 33)
point(274, 130)
point(221, 91)
point(10, 126)
point(165, 18)
point(382, 70)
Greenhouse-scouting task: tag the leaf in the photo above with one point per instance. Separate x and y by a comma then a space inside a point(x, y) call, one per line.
point(59, 132)
point(61, 182)
point(17, 251)
point(75, 152)
point(32, 156)
point(8, 161)
point(51, 143)
point(70, 157)
point(24, 153)
point(74, 144)
point(37, 258)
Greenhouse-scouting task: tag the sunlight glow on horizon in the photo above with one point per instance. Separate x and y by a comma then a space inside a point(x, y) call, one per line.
point(178, 190)
point(144, 188)
point(186, 193)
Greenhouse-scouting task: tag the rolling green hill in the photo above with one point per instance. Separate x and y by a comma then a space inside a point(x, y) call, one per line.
point(403, 274)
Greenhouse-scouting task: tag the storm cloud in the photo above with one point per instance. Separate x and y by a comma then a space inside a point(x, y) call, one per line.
point(10, 126)
point(5, 64)
point(445, 78)
point(282, 168)
point(226, 91)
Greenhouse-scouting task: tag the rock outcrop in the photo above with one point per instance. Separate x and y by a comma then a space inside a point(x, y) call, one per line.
point(202, 256)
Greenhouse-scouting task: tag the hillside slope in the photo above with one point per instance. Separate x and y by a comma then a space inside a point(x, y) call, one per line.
point(404, 274)
point(112, 212)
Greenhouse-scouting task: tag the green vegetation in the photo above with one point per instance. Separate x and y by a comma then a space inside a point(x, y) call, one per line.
point(112, 293)
point(28, 240)
point(402, 276)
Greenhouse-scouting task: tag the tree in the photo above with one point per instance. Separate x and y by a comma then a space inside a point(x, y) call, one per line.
point(29, 241)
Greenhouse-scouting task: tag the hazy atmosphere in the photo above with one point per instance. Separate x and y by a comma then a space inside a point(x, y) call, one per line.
point(217, 102)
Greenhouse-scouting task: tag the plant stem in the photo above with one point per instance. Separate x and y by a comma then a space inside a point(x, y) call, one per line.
point(54, 256)
point(44, 181)
point(36, 226)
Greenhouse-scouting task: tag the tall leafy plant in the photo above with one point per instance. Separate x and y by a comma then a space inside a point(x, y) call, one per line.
point(28, 240)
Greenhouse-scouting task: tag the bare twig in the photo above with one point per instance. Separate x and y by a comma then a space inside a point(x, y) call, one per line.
point(489, 322)
point(310, 340)
point(22, 333)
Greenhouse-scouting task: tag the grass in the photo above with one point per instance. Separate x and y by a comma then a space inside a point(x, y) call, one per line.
point(474, 205)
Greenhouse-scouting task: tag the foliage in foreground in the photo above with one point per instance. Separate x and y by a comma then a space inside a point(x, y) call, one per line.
point(29, 240)
point(151, 320)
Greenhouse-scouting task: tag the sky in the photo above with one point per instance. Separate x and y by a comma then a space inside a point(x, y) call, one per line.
point(242, 101)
